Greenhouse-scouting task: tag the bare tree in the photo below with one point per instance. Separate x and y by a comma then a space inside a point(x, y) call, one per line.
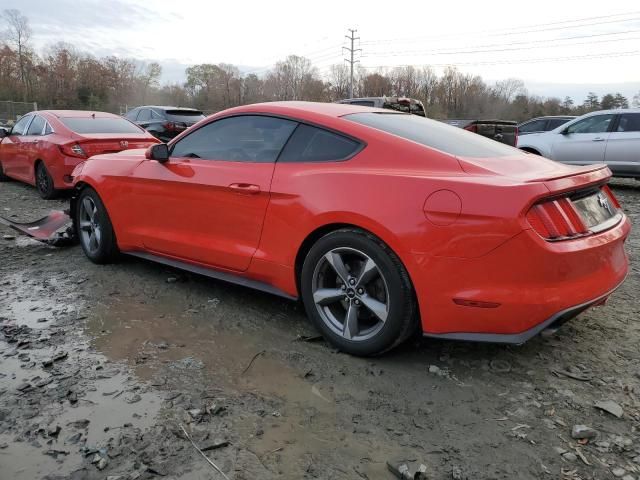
point(19, 33)
point(338, 81)
point(509, 88)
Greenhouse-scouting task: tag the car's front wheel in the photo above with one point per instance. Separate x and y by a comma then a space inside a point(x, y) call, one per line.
point(94, 228)
point(358, 293)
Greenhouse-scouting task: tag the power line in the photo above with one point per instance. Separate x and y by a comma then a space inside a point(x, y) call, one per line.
point(531, 47)
point(515, 30)
point(510, 62)
point(351, 61)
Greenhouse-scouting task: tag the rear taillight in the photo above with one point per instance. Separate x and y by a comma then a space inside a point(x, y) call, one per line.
point(170, 126)
point(472, 128)
point(611, 196)
point(556, 220)
point(73, 150)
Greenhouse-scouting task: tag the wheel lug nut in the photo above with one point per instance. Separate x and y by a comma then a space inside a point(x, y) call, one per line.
point(360, 291)
point(346, 299)
point(352, 281)
point(343, 287)
point(357, 301)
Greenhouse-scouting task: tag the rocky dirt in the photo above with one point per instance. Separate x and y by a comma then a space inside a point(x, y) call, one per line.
point(102, 366)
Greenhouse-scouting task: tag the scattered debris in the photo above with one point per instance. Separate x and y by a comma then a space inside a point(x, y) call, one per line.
point(611, 407)
point(215, 467)
point(253, 359)
point(579, 432)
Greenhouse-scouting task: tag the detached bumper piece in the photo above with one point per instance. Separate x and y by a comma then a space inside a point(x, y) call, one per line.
point(55, 229)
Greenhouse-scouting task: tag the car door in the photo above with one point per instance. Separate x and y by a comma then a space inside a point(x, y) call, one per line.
point(583, 142)
point(623, 146)
point(12, 150)
point(31, 145)
point(207, 203)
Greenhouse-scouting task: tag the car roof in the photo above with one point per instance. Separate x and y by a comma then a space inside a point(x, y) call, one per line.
point(296, 108)
point(168, 107)
point(77, 113)
point(614, 110)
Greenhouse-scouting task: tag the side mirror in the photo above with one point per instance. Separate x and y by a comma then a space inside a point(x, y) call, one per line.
point(564, 131)
point(3, 132)
point(158, 152)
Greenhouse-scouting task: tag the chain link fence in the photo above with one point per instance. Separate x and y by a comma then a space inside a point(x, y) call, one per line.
point(11, 111)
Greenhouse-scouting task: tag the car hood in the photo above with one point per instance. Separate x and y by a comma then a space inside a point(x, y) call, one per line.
point(525, 167)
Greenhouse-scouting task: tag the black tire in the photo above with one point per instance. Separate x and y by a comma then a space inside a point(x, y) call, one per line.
point(398, 298)
point(105, 249)
point(44, 182)
point(3, 177)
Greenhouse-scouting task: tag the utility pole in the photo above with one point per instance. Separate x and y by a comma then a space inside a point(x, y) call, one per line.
point(351, 59)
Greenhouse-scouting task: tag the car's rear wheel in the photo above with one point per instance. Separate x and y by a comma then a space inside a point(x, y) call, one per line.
point(94, 228)
point(3, 177)
point(358, 293)
point(44, 182)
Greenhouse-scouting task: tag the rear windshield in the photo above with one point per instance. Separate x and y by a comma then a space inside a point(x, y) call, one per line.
point(433, 134)
point(100, 125)
point(190, 116)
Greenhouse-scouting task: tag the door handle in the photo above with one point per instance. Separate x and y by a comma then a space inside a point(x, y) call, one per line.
point(598, 139)
point(247, 188)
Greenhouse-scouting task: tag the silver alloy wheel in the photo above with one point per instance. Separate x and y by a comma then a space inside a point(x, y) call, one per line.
point(350, 294)
point(90, 228)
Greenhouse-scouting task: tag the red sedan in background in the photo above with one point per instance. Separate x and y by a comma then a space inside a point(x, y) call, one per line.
point(44, 146)
point(382, 222)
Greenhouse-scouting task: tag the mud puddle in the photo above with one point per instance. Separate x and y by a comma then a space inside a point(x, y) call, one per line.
point(289, 414)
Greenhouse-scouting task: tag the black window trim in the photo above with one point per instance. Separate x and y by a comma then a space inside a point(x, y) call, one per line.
point(361, 143)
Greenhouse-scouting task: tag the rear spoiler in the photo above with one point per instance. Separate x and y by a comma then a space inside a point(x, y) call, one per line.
point(598, 169)
point(580, 178)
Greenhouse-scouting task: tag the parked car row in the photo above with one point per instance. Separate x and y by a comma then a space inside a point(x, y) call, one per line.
point(43, 147)
point(607, 136)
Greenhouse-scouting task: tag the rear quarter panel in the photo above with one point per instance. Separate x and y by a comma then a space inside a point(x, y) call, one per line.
point(389, 202)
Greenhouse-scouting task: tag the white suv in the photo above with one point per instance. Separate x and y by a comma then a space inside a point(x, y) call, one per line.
point(607, 136)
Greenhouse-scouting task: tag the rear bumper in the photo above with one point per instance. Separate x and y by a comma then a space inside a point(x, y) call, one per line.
point(552, 322)
point(60, 169)
point(519, 288)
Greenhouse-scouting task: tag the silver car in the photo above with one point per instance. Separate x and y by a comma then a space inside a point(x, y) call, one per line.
point(607, 136)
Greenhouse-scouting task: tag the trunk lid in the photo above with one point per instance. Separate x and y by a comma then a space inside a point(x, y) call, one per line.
point(528, 167)
point(99, 143)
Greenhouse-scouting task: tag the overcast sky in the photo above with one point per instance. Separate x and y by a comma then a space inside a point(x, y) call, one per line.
point(557, 47)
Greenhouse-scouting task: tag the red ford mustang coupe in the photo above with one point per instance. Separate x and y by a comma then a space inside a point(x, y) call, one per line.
point(44, 146)
point(382, 222)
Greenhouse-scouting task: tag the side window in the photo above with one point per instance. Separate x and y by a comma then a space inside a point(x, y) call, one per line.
point(595, 124)
point(533, 126)
point(36, 126)
point(556, 122)
point(155, 115)
point(629, 122)
point(20, 128)
point(47, 129)
point(144, 115)
point(311, 144)
point(246, 138)
point(131, 114)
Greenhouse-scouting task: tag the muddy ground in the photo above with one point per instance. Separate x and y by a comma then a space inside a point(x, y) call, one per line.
point(100, 366)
